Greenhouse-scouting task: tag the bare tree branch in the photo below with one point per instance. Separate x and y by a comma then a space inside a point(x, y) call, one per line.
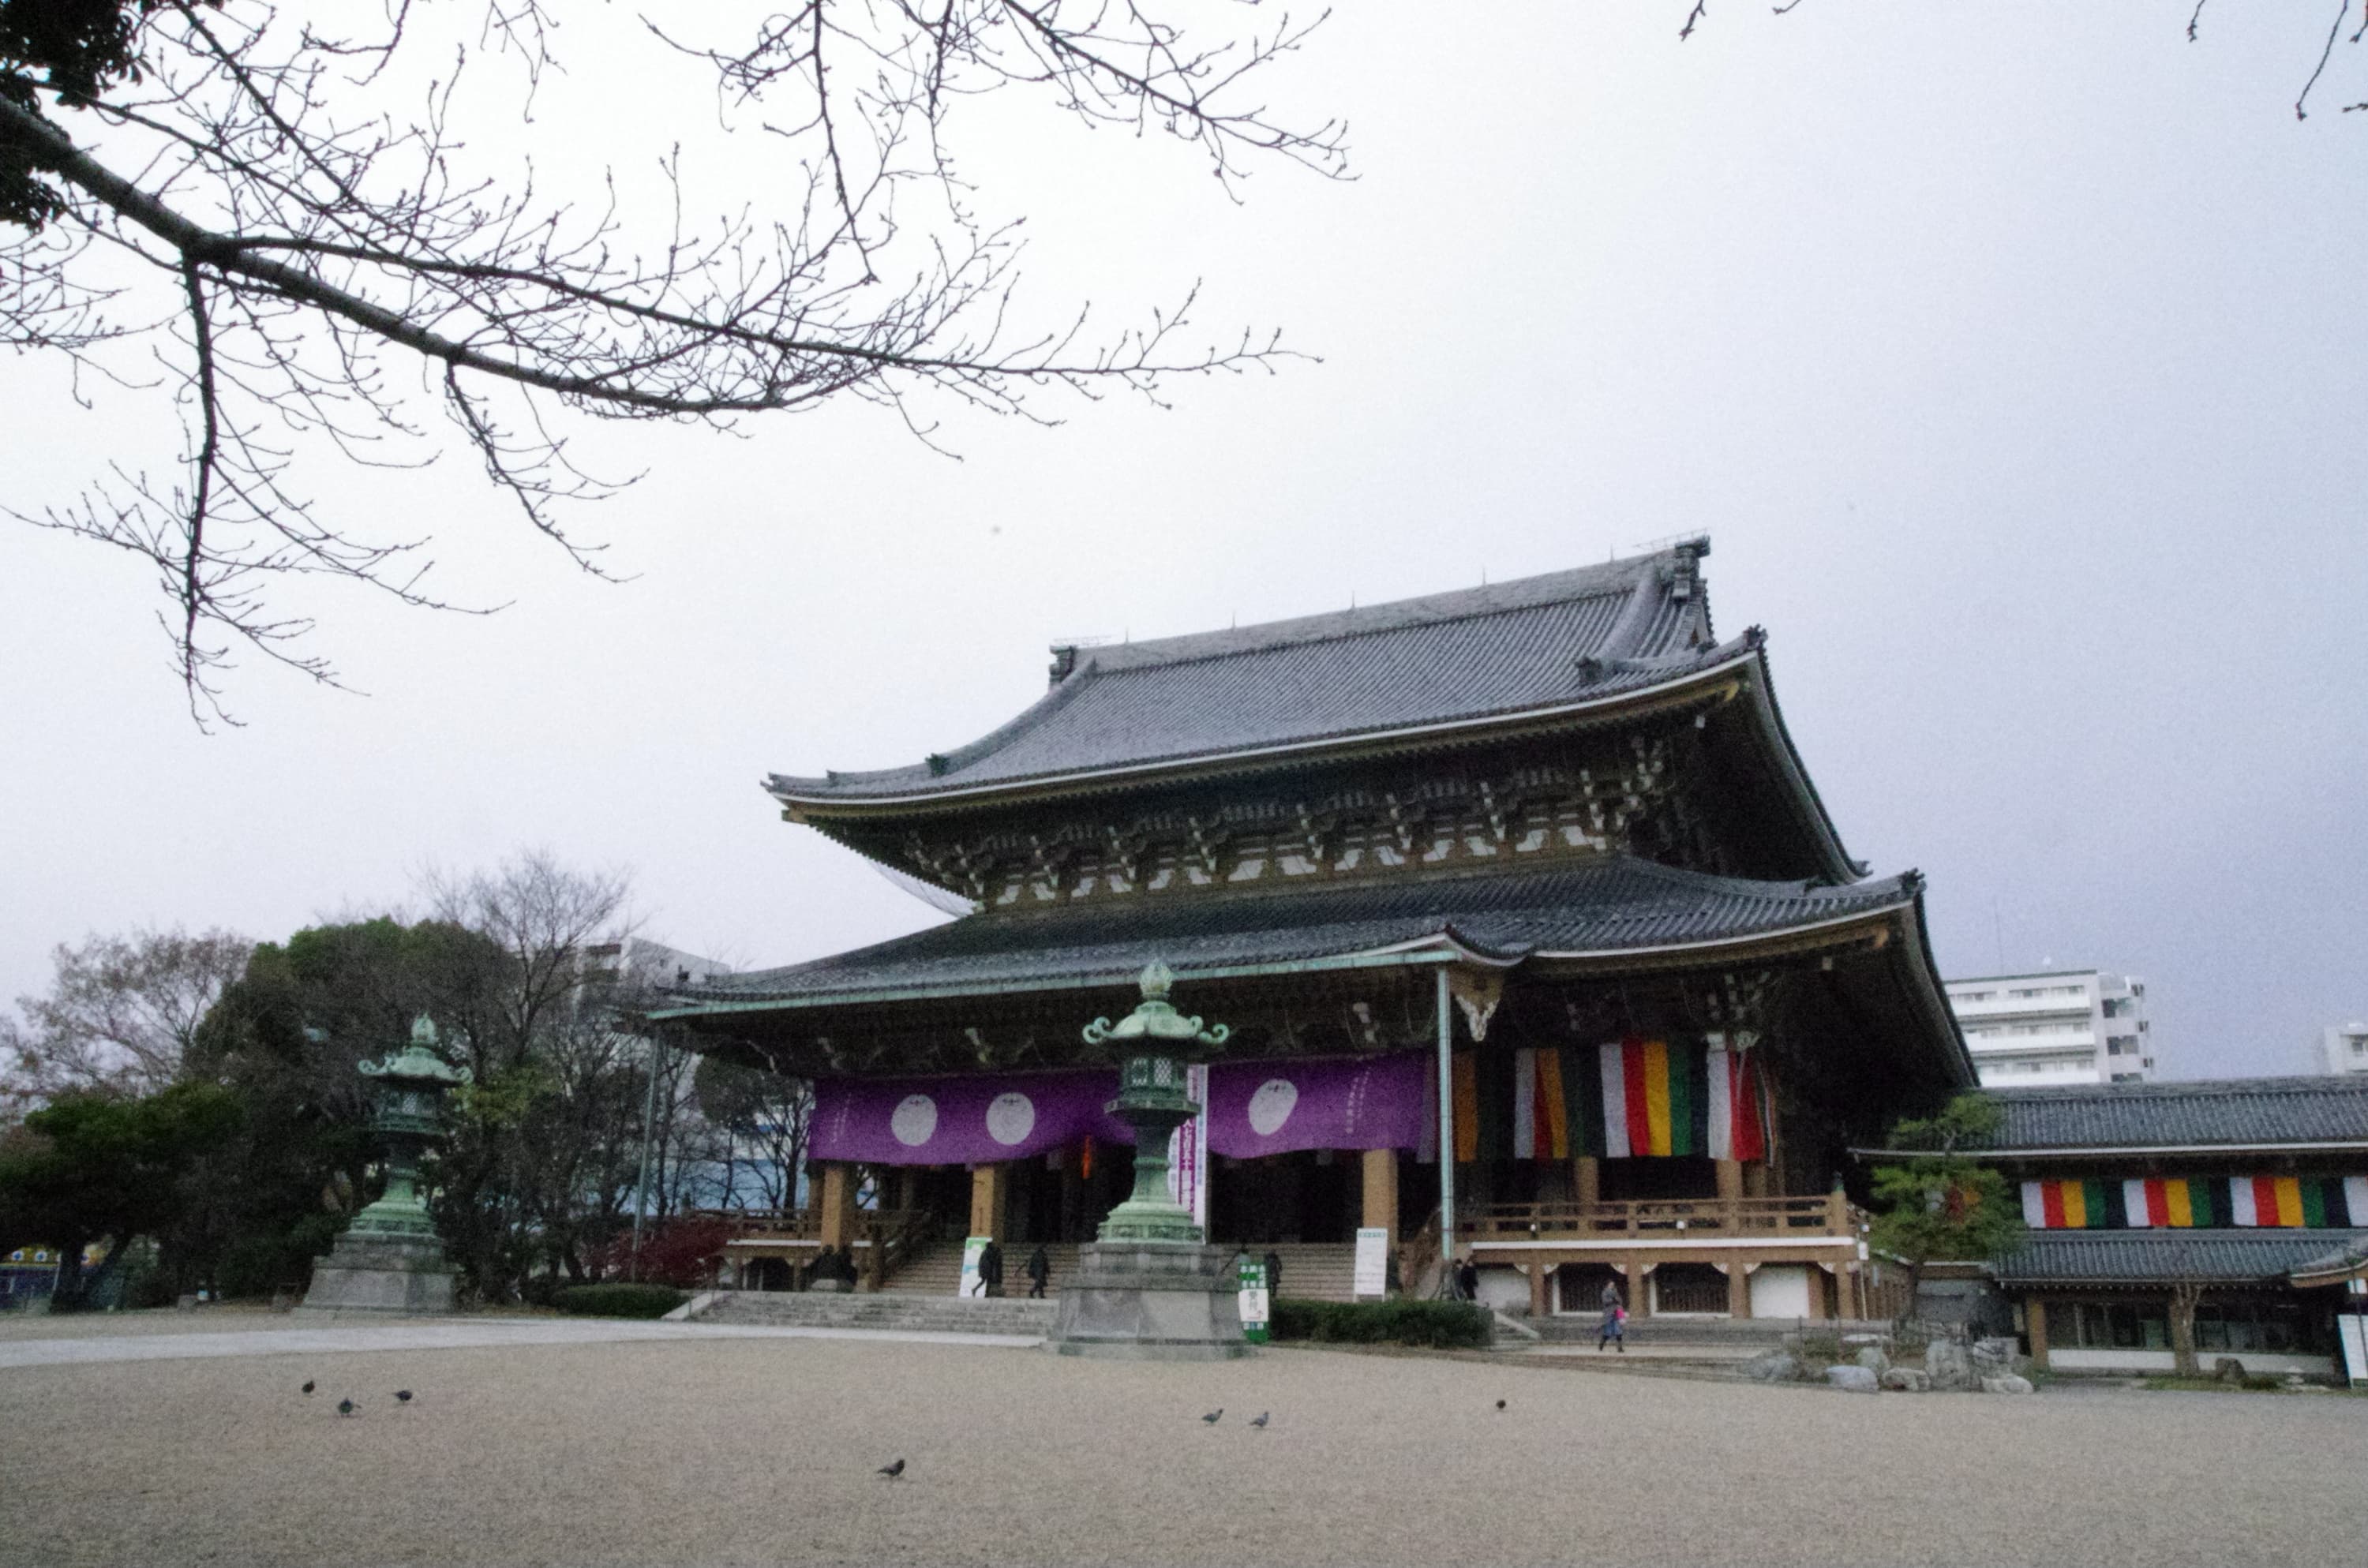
point(309, 231)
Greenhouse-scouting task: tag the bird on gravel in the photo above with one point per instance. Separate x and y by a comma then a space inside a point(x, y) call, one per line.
point(308, 1385)
point(1212, 1417)
point(891, 1471)
point(345, 1407)
point(1261, 1418)
point(402, 1396)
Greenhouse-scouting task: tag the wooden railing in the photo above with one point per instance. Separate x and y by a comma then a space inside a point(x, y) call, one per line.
point(1664, 1219)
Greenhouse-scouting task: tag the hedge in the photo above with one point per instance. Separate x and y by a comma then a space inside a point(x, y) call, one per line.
point(1438, 1325)
point(618, 1300)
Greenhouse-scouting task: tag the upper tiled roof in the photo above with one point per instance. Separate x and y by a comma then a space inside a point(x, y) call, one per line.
point(2140, 1258)
point(2231, 1112)
point(1616, 904)
point(1567, 639)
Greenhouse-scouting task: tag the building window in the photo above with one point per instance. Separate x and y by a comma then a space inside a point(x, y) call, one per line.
point(2121, 1325)
point(2238, 1325)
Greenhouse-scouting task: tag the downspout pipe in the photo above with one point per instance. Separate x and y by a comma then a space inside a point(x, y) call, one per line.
point(1446, 1134)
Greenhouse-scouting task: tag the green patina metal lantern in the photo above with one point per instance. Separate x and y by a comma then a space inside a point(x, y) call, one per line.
point(407, 1093)
point(1152, 1099)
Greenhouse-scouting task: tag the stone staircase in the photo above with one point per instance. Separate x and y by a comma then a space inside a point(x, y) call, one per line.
point(935, 1269)
point(1315, 1271)
point(907, 1311)
point(1312, 1271)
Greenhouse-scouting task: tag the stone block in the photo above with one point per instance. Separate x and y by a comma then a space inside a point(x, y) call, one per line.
point(404, 1277)
point(1855, 1379)
point(1950, 1367)
point(1872, 1358)
point(1151, 1302)
point(1907, 1379)
point(2007, 1384)
point(1774, 1367)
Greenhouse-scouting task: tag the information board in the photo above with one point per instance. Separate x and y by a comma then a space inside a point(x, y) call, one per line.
point(1373, 1262)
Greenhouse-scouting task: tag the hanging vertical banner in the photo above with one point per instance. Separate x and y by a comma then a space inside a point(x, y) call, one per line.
point(1187, 1150)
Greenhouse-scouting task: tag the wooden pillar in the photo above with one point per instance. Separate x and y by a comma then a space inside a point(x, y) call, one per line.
point(1739, 1289)
point(1380, 1183)
point(990, 1186)
point(1541, 1272)
point(1640, 1299)
point(1729, 1175)
point(836, 1219)
point(1755, 1179)
point(1587, 1180)
point(1817, 1291)
point(2035, 1319)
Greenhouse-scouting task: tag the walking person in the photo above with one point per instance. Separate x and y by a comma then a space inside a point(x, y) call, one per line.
point(1467, 1280)
point(1273, 1276)
point(1040, 1269)
point(990, 1269)
point(1614, 1329)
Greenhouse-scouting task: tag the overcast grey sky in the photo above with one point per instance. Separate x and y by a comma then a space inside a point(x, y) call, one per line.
point(2010, 354)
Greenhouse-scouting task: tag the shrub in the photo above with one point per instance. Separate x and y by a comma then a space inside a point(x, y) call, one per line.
point(1438, 1325)
point(617, 1300)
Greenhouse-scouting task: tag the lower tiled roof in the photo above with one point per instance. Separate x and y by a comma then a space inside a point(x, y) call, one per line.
point(1617, 903)
point(2162, 1257)
point(2233, 1111)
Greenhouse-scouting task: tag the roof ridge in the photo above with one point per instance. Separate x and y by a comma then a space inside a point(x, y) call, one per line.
point(1603, 579)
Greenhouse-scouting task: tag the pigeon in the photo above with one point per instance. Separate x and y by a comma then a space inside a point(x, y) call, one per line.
point(308, 1385)
point(402, 1396)
point(1500, 1404)
point(345, 1407)
point(1261, 1418)
point(1212, 1417)
point(891, 1471)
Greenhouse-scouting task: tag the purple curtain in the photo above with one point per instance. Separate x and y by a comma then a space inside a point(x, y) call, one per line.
point(1255, 1107)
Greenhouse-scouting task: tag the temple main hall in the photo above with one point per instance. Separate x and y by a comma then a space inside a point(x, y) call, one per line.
point(1536, 944)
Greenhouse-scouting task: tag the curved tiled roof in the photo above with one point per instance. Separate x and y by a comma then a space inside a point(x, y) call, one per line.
point(2237, 1112)
point(1569, 637)
point(1614, 904)
point(2145, 1258)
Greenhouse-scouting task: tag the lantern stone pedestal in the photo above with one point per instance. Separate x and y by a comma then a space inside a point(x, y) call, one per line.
point(1152, 1289)
point(390, 1261)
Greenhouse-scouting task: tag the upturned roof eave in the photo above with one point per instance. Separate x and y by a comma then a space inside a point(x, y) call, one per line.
point(807, 797)
point(1428, 952)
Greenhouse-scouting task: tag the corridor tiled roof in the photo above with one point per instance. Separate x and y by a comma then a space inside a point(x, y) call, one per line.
point(2230, 1112)
point(1615, 903)
point(1568, 638)
point(2142, 1257)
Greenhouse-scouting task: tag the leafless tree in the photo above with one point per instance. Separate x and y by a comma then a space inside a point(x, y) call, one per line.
point(2347, 24)
point(289, 215)
point(119, 1013)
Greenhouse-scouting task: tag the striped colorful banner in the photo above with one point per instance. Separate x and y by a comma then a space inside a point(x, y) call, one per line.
point(1633, 1098)
point(2195, 1202)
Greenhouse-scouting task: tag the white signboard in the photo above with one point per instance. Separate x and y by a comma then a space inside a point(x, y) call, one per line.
point(2352, 1329)
point(971, 1284)
point(1373, 1262)
point(1253, 1302)
point(1188, 1151)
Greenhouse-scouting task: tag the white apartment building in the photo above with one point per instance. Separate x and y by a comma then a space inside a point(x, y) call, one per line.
point(2067, 1027)
point(2345, 1048)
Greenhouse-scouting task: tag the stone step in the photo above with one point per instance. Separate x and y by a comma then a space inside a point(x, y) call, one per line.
point(887, 1310)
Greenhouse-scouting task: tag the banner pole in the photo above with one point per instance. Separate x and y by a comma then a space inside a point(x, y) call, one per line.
point(1446, 1138)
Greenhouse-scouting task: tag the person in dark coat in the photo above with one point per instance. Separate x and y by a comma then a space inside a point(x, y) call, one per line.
point(990, 1269)
point(1467, 1280)
point(1614, 1329)
point(1040, 1270)
point(1273, 1276)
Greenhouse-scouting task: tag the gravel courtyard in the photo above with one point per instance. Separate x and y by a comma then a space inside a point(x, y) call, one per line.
point(763, 1450)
